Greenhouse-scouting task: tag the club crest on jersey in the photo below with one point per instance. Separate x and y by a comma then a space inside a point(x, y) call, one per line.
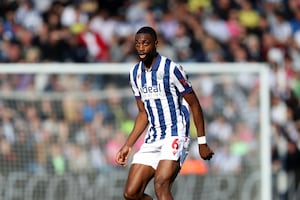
point(160, 76)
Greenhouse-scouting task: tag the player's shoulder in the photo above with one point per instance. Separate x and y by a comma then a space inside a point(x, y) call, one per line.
point(168, 62)
point(135, 66)
point(171, 62)
point(172, 65)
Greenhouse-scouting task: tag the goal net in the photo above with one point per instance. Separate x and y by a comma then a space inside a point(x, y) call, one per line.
point(62, 124)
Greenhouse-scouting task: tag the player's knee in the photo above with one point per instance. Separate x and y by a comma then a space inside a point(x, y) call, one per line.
point(127, 196)
point(161, 184)
point(130, 195)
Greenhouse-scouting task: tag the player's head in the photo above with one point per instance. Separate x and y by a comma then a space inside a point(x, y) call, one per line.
point(146, 43)
point(148, 30)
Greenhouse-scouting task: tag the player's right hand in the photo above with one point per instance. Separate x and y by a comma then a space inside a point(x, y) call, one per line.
point(122, 155)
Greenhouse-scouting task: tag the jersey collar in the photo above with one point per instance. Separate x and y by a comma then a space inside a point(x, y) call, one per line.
point(155, 65)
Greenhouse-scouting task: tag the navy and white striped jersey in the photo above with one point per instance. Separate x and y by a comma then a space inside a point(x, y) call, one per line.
point(161, 90)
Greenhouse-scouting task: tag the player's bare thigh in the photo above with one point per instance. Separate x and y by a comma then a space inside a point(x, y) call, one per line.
point(165, 174)
point(138, 177)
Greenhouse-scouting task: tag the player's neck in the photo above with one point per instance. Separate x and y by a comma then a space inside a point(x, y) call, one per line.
point(149, 63)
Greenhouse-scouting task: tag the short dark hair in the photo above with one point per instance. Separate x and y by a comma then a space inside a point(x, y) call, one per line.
point(149, 30)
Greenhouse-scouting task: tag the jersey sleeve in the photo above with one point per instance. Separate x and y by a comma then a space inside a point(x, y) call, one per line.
point(181, 81)
point(133, 82)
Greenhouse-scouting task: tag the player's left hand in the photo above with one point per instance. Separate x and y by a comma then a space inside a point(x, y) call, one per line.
point(205, 152)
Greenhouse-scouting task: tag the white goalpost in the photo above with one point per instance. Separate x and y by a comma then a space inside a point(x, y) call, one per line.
point(108, 181)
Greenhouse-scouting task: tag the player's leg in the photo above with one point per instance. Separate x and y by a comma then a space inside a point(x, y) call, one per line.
point(173, 154)
point(138, 178)
point(165, 174)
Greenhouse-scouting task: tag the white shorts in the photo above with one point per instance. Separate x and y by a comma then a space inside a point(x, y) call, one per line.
point(172, 148)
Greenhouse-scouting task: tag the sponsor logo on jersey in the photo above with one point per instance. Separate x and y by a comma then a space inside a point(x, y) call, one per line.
point(152, 92)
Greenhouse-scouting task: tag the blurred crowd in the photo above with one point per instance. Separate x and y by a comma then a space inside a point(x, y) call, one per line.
point(100, 31)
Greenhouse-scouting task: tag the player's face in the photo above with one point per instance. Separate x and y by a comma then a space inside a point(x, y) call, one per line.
point(145, 46)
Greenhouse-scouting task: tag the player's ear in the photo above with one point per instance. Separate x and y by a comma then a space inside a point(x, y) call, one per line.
point(156, 43)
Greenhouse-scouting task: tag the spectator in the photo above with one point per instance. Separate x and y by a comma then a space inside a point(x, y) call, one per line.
point(182, 43)
point(28, 16)
point(220, 129)
point(294, 51)
point(93, 41)
point(235, 28)
point(73, 15)
point(292, 162)
point(97, 154)
point(295, 22)
point(248, 16)
point(226, 162)
point(216, 27)
point(104, 25)
point(78, 160)
point(92, 107)
point(57, 163)
point(7, 126)
point(8, 159)
point(24, 151)
point(280, 28)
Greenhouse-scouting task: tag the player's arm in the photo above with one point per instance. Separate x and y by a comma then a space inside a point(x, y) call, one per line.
point(141, 122)
point(205, 152)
